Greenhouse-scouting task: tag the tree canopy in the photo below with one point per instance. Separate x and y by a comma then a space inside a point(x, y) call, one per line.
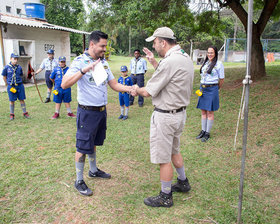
point(68, 13)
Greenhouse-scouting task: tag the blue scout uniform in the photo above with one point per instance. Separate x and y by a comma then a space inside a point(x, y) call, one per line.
point(124, 96)
point(14, 79)
point(49, 65)
point(92, 99)
point(63, 94)
point(209, 86)
point(138, 67)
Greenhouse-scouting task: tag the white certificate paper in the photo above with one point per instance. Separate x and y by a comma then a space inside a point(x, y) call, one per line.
point(99, 74)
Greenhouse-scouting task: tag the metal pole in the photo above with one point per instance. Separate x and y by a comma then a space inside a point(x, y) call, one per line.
point(191, 49)
point(246, 81)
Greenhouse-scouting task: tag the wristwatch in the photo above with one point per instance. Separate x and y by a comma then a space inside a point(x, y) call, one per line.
point(82, 72)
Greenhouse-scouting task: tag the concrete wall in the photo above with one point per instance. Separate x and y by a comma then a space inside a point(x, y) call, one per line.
point(36, 43)
point(15, 4)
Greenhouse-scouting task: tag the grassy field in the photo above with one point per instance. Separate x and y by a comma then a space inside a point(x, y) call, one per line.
point(37, 161)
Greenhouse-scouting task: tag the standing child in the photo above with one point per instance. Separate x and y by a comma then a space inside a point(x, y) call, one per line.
point(12, 75)
point(124, 96)
point(59, 93)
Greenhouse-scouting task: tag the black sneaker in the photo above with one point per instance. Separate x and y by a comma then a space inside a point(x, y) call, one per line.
point(206, 137)
point(83, 188)
point(47, 100)
point(181, 186)
point(162, 200)
point(201, 134)
point(99, 173)
point(120, 117)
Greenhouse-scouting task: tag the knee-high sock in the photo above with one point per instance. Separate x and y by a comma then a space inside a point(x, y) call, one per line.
point(12, 108)
point(23, 107)
point(209, 125)
point(92, 162)
point(166, 186)
point(203, 124)
point(80, 170)
point(126, 111)
point(181, 173)
point(122, 110)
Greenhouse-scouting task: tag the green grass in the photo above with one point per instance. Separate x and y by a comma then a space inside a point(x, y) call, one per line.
point(37, 161)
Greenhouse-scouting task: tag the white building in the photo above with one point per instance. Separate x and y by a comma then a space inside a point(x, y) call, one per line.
point(14, 7)
point(31, 39)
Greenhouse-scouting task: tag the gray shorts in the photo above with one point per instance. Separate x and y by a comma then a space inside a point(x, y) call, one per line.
point(165, 132)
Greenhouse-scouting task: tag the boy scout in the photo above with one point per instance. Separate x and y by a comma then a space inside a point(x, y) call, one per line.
point(124, 96)
point(59, 93)
point(12, 75)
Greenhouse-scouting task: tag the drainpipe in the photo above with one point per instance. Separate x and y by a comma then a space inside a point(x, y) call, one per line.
point(2, 45)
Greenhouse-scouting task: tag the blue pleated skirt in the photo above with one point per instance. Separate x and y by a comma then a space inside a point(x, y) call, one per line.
point(210, 99)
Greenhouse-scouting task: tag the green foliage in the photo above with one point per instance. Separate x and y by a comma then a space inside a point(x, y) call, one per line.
point(68, 13)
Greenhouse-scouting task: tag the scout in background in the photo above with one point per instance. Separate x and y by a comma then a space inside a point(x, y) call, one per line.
point(12, 75)
point(60, 94)
point(49, 64)
point(124, 96)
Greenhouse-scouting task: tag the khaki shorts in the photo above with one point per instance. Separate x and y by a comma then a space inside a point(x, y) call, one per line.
point(165, 132)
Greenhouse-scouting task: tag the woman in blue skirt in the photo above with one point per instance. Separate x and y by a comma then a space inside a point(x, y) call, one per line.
point(212, 78)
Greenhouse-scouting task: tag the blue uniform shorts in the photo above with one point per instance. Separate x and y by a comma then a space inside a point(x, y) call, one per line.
point(124, 99)
point(63, 95)
point(19, 94)
point(48, 81)
point(91, 129)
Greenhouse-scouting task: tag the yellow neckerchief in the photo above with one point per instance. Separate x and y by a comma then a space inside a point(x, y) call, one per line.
point(124, 78)
point(61, 69)
point(14, 74)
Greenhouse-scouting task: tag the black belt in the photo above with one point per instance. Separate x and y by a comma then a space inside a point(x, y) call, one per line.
point(138, 74)
point(170, 111)
point(92, 108)
point(208, 85)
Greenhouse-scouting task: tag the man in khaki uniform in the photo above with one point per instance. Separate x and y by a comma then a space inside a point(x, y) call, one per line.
point(170, 88)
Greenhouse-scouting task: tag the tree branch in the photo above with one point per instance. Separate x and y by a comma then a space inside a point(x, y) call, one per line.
point(238, 9)
point(266, 13)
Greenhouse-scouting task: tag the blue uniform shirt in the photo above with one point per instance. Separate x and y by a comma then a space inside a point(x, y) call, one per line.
point(138, 66)
point(57, 75)
point(216, 74)
point(89, 94)
point(127, 81)
point(48, 64)
point(13, 73)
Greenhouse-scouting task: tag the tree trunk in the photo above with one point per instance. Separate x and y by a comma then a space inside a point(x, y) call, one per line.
point(257, 59)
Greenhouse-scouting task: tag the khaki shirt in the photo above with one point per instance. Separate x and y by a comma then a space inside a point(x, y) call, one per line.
point(172, 82)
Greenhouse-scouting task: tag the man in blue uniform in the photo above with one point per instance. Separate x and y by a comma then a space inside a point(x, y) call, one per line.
point(91, 112)
point(59, 93)
point(124, 96)
point(49, 64)
point(138, 67)
point(12, 75)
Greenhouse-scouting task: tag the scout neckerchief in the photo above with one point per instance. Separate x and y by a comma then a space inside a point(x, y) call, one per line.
point(87, 54)
point(14, 74)
point(62, 70)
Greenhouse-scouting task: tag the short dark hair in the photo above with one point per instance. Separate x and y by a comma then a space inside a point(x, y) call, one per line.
point(95, 36)
point(137, 50)
point(168, 40)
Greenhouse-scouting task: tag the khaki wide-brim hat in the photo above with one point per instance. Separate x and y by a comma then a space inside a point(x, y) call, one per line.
point(164, 32)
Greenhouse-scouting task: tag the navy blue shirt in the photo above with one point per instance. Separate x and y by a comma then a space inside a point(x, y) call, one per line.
point(57, 75)
point(13, 73)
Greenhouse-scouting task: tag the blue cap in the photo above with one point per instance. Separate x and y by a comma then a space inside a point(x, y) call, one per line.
point(50, 51)
point(124, 68)
point(62, 58)
point(14, 55)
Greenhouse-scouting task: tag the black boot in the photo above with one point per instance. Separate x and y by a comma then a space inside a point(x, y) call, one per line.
point(47, 100)
point(162, 200)
point(181, 186)
point(206, 137)
point(201, 134)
